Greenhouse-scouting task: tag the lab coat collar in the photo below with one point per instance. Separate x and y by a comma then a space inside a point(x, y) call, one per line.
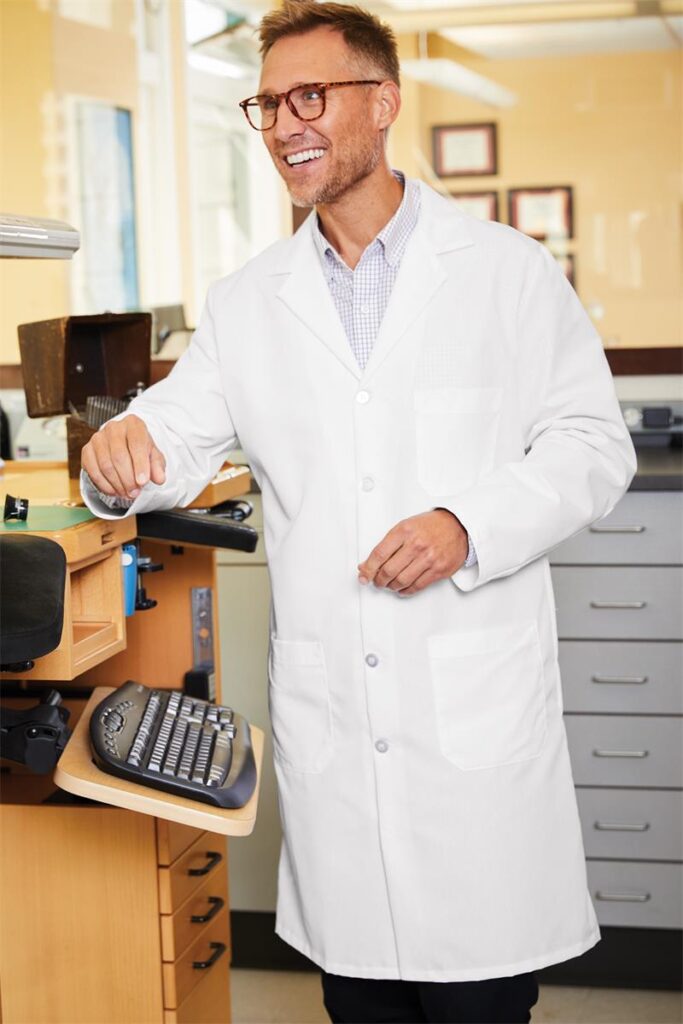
point(441, 228)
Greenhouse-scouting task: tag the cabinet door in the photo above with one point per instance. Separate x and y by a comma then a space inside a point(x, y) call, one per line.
point(80, 916)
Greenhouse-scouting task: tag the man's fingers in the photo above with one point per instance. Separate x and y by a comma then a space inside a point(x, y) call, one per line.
point(383, 551)
point(90, 465)
point(105, 468)
point(423, 580)
point(158, 466)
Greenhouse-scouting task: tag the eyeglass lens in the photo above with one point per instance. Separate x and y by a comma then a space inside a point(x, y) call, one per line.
point(309, 103)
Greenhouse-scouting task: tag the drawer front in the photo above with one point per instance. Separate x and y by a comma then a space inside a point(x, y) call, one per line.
point(173, 839)
point(207, 856)
point(617, 602)
point(632, 824)
point(644, 528)
point(209, 952)
point(622, 676)
point(626, 750)
point(636, 895)
point(207, 1003)
point(179, 930)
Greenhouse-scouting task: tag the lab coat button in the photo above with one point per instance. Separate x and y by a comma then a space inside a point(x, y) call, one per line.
point(367, 483)
point(382, 746)
point(371, 660)
point(362, 397)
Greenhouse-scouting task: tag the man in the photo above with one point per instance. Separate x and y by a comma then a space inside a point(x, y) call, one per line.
point(402, 377)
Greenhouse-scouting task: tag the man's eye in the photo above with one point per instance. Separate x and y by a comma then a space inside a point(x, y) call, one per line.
point(268, 102)
point(311, 95)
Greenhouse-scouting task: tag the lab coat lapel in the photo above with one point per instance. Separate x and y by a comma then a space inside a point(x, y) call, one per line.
point(306, 294)
point(440, 229)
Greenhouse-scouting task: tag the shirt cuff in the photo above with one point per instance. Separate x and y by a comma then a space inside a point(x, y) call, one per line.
point(111, 501)
point(471, 554)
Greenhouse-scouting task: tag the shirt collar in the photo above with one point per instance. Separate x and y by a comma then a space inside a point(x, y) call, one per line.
point(394, 235)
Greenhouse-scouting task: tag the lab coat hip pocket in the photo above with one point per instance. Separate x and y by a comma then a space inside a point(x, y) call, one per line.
point(299, 702)
point(456, 430)
point(489, 695)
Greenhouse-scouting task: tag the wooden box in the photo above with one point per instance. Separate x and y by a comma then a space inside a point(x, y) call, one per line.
point(64, 361)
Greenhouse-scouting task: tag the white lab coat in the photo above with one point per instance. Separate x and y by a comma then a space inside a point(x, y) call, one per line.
point(429, 817)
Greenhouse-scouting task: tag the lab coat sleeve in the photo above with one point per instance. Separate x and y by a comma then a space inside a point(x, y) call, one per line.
point(188, 419)
point(579, 458)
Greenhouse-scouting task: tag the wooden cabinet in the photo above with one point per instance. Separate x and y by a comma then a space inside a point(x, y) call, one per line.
point(109, 916)
point(82, 934)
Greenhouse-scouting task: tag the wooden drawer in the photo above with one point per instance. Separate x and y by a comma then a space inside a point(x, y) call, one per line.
point(636, 895)
point(617, 601)
point(210, 947)
point(626, 750)
point(618, 676)
point(208, 1002)
point(207, 856)
point(632, 824)
point(179, 930)
point(644, 528)
point(173, 839)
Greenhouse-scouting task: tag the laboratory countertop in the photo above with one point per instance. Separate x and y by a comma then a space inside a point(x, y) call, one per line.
point(659, 469)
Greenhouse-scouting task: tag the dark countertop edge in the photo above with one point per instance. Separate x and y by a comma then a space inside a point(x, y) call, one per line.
point(656, 482)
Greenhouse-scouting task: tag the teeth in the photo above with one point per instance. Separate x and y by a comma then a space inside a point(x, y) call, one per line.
point(300, 158)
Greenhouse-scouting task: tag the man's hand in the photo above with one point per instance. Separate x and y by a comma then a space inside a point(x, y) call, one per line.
point(416, 552)
point(122, 457)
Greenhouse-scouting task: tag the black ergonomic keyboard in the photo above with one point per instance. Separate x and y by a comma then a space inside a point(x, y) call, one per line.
point(167, 740)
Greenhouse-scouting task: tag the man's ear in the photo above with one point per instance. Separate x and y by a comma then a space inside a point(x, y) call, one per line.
point(389, 98)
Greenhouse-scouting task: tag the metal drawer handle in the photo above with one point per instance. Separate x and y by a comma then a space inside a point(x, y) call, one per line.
point(618, 604)
point(616, 529)
point(620, 753)
point(619, 679)
point(213, 859)
point(218, 948)
point(616, 826)
point(218, 904)
point(626, 897)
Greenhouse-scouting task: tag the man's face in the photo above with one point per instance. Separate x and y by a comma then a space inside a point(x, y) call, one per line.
point(347, 139)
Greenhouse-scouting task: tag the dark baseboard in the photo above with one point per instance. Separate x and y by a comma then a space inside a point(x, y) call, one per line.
point(255, 944)
point(649, 958)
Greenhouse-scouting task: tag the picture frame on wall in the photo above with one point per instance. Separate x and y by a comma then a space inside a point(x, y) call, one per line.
point(483, 205)
point(465, 150)
point(568, 264)
point(542, 212)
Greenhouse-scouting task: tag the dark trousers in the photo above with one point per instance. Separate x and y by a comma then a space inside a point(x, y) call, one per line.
point(370, 1001)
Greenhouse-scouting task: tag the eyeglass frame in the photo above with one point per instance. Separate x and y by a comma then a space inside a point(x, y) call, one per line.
point(286, 96)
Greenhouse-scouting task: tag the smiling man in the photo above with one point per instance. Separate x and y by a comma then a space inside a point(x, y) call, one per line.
point(428, 411)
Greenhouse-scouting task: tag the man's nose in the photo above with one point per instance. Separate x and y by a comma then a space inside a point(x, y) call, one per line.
point(287, 124)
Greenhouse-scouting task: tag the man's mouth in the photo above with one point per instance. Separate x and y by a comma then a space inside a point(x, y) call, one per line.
point(304, 157)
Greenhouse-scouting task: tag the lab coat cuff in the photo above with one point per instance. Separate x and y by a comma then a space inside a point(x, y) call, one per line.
point(469, 575)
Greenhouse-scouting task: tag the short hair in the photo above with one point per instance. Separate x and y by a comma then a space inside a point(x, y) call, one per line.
point(365, 35)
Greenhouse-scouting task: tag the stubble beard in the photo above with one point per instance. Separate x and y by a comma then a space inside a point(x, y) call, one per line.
point(354, 165)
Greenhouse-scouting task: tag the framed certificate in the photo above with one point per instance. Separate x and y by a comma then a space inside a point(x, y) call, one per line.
point(464, 150)
point(544, 212)
point(483, 205)
point(568, 264)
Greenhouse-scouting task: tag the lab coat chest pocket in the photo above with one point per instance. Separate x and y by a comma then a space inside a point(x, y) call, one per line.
point(489, 695)
point(299, 702)
point(456, 430)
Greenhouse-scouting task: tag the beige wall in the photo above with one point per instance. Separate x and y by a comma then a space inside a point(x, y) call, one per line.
point(29, 289)
point(610, 126)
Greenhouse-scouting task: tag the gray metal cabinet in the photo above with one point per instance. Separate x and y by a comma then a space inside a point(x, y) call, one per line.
point(619, 597)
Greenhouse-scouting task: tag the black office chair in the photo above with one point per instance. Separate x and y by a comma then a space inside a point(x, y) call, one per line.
point(32, 579)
